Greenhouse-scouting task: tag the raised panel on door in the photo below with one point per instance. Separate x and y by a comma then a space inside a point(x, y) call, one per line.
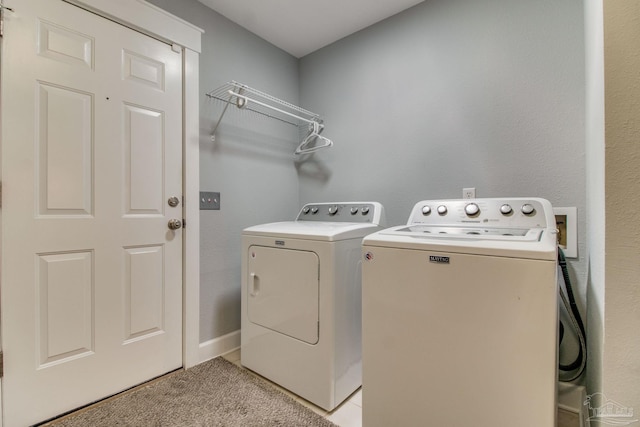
point(65, 44)
point(142, 69)
point(65, 293)
point(64, 150)
point(283, 291)
point(144, 292)
point(144, 160)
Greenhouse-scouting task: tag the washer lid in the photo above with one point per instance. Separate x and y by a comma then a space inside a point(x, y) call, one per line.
point(313, 230)
point(473, 233)
point(535, 243)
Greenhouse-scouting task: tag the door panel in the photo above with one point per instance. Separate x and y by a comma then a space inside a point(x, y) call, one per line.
point(144, 157)
point(284, 291)
point(65, 151)
point(144, 298)
point(65, 45)
point(91, 275)
point(65, 295)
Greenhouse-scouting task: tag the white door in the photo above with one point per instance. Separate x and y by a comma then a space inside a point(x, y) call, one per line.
point(91, 153)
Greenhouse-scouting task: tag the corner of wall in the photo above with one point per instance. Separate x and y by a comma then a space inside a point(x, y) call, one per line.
point(594, 58)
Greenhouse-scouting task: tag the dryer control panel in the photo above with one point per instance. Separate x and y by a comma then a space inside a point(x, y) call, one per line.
point(523, 213)
point(360, 212)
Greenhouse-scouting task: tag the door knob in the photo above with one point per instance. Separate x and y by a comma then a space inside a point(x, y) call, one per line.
point(173, 201)
point(174, 224)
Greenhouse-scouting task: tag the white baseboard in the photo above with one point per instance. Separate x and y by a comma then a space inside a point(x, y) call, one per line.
point(571, 398)
point(219, 346)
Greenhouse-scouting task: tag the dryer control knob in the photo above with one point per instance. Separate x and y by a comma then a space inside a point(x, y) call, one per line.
point(506, 209)
point(442, 209)
point(527, 209)
point(306, 210)
point(472, 209)
point(333, 210)
point(426, 210)
point(365, 210)
point(354, 210)
point(314, 210)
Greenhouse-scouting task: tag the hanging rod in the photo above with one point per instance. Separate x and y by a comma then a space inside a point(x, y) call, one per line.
point(246, 98)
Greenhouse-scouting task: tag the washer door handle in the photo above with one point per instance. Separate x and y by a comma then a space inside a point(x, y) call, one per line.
point(255, 285)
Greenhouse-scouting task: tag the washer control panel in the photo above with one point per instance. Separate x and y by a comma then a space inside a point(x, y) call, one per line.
point(362, 212)
point(509, 212)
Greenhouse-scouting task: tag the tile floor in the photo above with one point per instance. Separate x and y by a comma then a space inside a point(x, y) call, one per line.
point(348, 414)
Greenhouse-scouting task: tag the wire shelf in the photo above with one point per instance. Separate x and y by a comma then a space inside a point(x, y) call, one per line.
point(247, 98)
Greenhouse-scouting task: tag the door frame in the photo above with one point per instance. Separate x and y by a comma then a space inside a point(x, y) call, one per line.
point(157, 23)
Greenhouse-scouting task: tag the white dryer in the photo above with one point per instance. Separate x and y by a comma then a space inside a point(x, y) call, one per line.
point(301, 299)
point(460, 316)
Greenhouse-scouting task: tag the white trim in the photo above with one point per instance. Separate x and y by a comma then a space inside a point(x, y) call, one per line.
point(148, 19)
point(219, 346)
point(571, 398)
point(191, 182)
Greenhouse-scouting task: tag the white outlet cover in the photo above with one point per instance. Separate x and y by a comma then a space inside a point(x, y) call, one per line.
point(571, 250)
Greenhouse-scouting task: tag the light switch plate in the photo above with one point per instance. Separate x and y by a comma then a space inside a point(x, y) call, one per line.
point(209, 201)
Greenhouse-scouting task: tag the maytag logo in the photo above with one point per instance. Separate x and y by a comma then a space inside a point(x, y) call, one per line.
point(280, 242)
point(439, 259)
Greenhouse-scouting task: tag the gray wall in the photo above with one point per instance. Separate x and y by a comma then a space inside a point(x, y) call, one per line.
point(453, 94)
point(251, 162)
point(446, 95)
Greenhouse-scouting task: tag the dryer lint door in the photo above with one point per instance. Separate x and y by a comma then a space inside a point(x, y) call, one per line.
point(283, 291)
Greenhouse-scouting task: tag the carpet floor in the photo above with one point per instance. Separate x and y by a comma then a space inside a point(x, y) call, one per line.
point(214, 393)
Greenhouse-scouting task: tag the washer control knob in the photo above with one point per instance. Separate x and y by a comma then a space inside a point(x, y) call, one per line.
point(472, 209)
point(442, 210)
point(314, 210)
point(306, 210)
point(354, 210)
point(365, 210)
point(426, 210)
point(506, 209)
point(527, 209)
point(333, 210)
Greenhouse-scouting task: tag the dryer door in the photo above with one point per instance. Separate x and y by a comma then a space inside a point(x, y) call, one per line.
point(283, 291)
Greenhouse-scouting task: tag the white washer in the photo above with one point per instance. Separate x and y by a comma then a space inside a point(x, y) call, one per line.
point(301, 299)
point(460, 316)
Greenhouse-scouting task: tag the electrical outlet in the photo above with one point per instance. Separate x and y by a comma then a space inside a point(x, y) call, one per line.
point(468, 193)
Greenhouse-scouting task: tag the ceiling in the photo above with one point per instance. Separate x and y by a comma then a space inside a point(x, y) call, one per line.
point(300, 27)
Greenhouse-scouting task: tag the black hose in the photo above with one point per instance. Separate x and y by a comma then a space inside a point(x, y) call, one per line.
point(574, 313)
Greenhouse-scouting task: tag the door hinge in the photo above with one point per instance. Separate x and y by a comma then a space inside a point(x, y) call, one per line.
point(2, 9)
point(184, 224)
point(1, 364)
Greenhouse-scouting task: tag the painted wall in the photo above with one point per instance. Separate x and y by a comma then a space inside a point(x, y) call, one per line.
point(453, 94)
point(621, 354)
point(251, 162)
point(446, 95)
